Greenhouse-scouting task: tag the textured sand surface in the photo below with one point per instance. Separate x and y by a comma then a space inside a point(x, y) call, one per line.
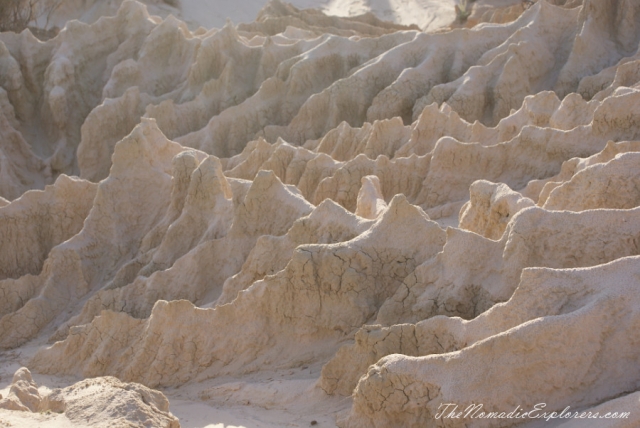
point(307, 219)
point(426, 14)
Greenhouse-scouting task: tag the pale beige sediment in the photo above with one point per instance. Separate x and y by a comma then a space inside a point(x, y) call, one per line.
point(559, 335)
point(99, 402)
point(429, 217)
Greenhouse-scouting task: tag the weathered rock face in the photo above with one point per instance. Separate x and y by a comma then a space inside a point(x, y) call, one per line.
point(39, 221)
point(563, 342)
point(434, 218)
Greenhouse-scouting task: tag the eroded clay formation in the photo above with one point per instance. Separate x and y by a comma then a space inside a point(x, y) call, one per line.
point(420, 218)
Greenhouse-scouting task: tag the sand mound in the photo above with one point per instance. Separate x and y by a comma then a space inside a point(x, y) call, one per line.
point(326, 216)
point(98, 402)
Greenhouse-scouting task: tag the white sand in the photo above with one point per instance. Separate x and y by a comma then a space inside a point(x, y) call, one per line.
point(427, 14)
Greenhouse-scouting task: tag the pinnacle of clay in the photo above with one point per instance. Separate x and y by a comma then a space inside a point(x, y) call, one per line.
point(370, 200)
point(490, 208)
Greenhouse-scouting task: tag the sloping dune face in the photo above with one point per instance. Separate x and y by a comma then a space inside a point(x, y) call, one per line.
point(425, 218)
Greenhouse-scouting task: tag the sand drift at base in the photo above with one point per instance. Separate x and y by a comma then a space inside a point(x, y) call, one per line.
point(400, 218)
